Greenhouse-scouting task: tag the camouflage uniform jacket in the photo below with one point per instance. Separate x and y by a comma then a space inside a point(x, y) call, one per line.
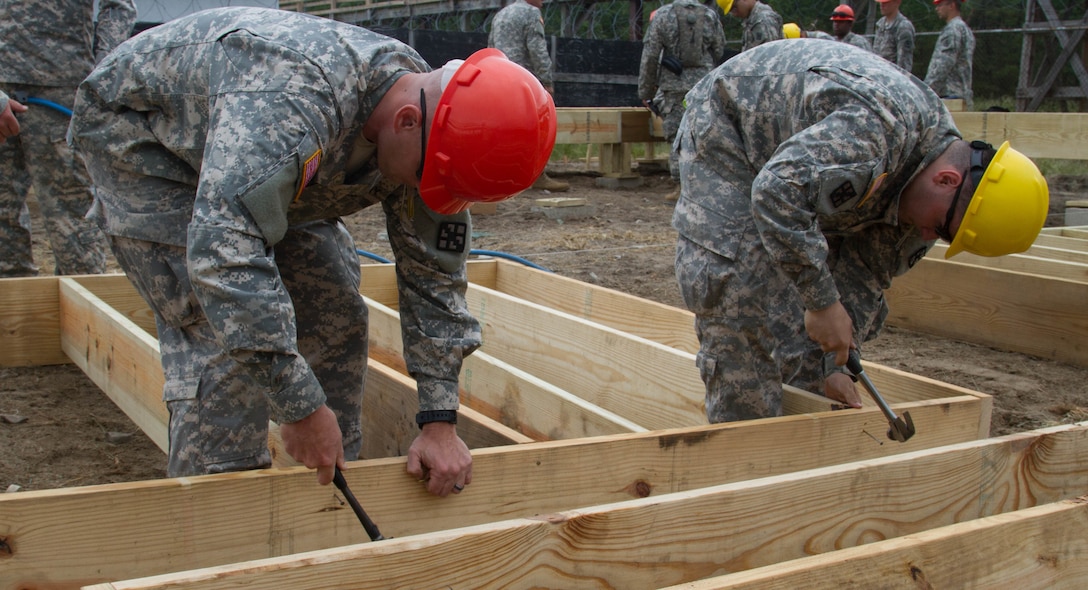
point(894, 41)
point(518, 31)
point(56, 42)
point(688, 31)
point(762, 25)
point(949, 73)
point(857, 41)
point(255, 120)
point(830, 136)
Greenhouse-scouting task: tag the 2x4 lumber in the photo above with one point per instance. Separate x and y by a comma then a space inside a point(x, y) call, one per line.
point(686, 536)
point(1059, 241)
point(30, 323)
point(674, 327)
point(507, 394)
point(1062, 136)
point(1059, 269)
point(1014, 311)
point(651, 384)
point(1042, 548)
point(137, 529)
point(580, 125)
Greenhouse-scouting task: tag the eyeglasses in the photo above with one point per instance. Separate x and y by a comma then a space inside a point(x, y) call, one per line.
point(976, 171)
point(842, 15)
point(423, 135)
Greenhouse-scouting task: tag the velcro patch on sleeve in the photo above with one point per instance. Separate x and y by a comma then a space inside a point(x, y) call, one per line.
point(452, 236)
point(309, 170)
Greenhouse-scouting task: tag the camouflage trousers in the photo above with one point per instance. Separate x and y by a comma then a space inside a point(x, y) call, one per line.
point(218, 411)
point(750, 325)
point(672, 108)
point(40, 157)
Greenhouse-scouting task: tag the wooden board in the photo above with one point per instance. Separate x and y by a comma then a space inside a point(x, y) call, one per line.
point(183, 523)
point(686, 536)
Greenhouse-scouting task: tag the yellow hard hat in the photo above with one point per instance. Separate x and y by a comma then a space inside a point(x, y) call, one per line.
point(791, 31)
point(725, 5)
point(1008, 208)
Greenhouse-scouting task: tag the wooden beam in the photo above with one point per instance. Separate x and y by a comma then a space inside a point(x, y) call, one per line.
point(152, 527)
point(30, 323)
point(1015, 311)
point(1035, 548)
point(685, 536)
point(1058, 269)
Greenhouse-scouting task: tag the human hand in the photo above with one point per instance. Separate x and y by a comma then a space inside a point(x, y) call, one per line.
point(840, 387)
point(316, 442)
point(831, 328)
point(440, 459)
point(9, 125)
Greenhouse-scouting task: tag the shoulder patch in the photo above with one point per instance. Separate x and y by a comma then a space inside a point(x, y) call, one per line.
point(842, 194)
point(452, 236)
point(309, 170)
point(875, 186)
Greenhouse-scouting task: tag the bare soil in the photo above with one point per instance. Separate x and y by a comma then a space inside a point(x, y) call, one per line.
point(57, 429)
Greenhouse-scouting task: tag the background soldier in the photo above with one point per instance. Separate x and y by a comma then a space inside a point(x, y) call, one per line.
point(46, 48)
point(949, 73)
point(842, 25)
point(684, 41)
point(225, 146)
point(761, 23)
point(894, 39)
point(518, 31)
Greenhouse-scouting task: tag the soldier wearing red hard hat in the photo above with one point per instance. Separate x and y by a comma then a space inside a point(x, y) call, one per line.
point(225, 146)
point(842, 25)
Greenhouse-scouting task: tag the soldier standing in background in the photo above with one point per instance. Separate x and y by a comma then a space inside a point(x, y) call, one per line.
point(949, 73)
point(46, 48)
point(761, 23)
point(894, 39)
point(842, 25)
point(518, 31)
point(683, 43)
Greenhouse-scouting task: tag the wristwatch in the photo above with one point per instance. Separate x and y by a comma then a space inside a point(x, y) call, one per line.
point(429, 416)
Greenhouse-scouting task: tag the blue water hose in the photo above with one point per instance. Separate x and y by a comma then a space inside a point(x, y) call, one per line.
point(493, 253)
point(47, 103)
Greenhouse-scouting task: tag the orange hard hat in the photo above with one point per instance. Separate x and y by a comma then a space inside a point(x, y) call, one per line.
point(843, 12)
point(491, 135)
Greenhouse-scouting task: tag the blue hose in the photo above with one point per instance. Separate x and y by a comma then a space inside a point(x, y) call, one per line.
point(512, 257)
point(47, 103)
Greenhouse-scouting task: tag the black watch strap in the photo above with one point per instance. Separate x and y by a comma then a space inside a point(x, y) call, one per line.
point(436, 416)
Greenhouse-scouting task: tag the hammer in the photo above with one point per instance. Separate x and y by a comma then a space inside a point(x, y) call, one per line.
point(371, 528)
point(899, 428)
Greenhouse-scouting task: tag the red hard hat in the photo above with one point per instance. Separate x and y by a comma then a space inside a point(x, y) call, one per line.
point(844, 12)
point(491, 136)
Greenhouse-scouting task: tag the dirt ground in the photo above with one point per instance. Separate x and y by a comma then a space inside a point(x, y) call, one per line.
point(57, 429)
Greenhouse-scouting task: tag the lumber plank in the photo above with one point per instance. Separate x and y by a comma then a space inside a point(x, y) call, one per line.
point(30, 322)
point(651, 384)
point(180, 523)
point(1042, 548)
point(697, 533)
point(673, 327)
point(1058, 269)
point(119, 356)
point(509, 395)
point(1015, 311)
point(1064, 242)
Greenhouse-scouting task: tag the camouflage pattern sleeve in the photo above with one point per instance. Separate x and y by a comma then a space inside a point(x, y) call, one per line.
point(437, 329)
point(904, 39)
point(653, 43)
point(949, 72)
point(3, 101)
point(115, 21)
point(518, 31)
point(858, 41)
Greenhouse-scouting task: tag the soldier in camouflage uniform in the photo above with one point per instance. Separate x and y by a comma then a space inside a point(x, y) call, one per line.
point(518, 31)
point(687, 34)
point(894, 39)
point(761, 23)
point(48, 47)
point(812, 174)
point(949, 73)
point(842, 25)
point(225, 146)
